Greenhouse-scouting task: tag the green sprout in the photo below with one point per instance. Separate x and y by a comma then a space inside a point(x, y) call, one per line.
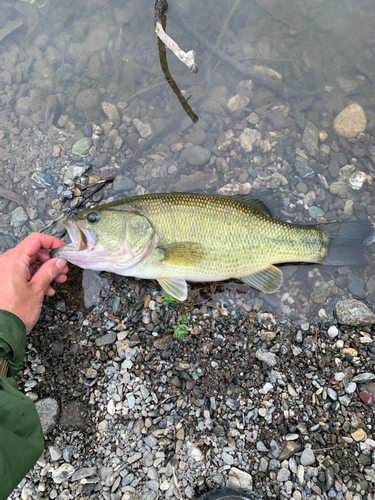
point(180, 330)
point(167, 299)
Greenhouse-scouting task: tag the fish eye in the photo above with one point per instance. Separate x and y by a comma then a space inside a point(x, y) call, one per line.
point(93, 217)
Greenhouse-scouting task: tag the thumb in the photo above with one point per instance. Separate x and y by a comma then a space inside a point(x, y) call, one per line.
point(47, 273)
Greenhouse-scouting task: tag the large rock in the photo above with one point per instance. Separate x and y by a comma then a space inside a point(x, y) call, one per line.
point(197, 181)
point(87, 99)
point(350, 122)
point(239, 479)
point(48, 410)
point(352, 312)
point(310, 139)
point(249, 139)
point(196, 156)
point(111, 113)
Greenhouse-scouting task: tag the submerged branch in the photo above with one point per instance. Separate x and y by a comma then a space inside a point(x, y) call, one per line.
point(186, 57)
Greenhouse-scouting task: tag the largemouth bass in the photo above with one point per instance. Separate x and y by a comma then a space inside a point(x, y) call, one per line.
point(180, 237)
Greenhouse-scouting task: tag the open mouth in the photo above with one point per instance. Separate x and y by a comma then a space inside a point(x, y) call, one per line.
point(82, 238)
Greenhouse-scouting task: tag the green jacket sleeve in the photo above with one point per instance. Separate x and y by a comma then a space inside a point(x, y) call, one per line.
point(21, 436)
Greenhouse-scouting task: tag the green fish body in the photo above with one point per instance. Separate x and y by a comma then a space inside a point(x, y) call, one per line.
point(182, 237)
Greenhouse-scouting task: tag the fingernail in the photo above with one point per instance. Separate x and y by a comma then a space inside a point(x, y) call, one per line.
point(60, 264)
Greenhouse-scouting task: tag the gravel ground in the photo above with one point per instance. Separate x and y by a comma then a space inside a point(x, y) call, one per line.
point(130, 412)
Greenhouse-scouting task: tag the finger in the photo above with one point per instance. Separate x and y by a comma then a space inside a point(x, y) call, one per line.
point(48, 272)
point(61, 278)
point(49, 292)
point(42, 256)
point(35, 241)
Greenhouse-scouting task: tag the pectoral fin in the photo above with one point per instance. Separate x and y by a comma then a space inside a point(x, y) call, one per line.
point(267, 280)
point(182, 253)
point(177, 287)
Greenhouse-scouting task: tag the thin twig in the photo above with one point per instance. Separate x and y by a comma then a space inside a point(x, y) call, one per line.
point(176, 484)
point(244, 70)
point(166, 399)
point(186, 57)
point(98, 185)
point(52, 222)
point(224, 28)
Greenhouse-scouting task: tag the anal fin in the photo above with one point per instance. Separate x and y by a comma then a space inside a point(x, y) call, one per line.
point(177, 287)
point(267, 280)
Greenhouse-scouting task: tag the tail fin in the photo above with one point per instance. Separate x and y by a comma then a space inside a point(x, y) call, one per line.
point(345, 243)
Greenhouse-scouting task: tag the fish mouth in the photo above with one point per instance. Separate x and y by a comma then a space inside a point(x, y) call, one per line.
point(82, 239)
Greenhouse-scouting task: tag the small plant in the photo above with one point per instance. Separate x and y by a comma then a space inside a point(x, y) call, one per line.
point(167, 299)
point(180, 330)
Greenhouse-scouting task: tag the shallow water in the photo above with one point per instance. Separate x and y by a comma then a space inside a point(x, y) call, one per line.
point(323, 50)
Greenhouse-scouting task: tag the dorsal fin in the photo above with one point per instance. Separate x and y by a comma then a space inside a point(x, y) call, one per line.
point(248, 199)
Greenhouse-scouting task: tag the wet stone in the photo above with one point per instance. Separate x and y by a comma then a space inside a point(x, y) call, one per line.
point(73, 173)
point(123, 183)
point(352, 312)
point(82, 146)
point(144, 129)
point(102, 160)
point(39, 180)
point(303, 168)
point(316, 212)
point(334, 169)
point(350, 122)
point(197, 181)
point(249, 139)
point(347, 86)
point(196, 156)
point(197, 137)
point(310, 139)
point(109, 338)
point(87, 99)
point(357, 180)
point(356, 285)
point(111, 113)
point(87, 130)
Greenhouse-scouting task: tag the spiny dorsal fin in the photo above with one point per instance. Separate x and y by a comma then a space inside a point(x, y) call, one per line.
point(267, 280)
point(248, 199)
point(182, 253)
point(177, 287)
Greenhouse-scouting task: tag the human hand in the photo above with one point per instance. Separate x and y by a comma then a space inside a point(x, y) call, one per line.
point(26, 273)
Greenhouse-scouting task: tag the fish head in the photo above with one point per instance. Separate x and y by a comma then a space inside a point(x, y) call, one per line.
point(106, 239)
